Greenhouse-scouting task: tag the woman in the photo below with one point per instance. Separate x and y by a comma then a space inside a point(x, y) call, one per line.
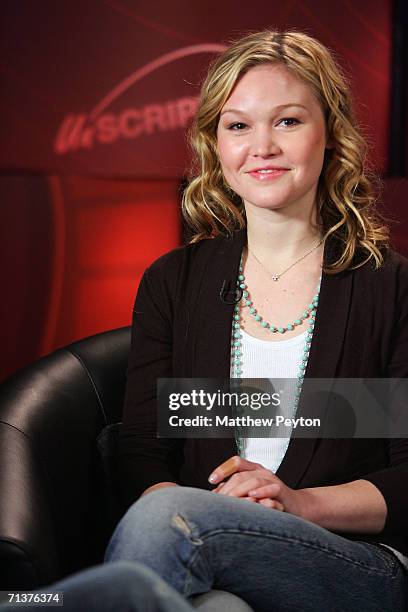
point(281, 204)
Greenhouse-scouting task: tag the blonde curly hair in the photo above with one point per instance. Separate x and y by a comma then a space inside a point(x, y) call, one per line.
point(347, 191)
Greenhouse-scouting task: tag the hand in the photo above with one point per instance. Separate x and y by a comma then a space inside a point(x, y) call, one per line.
point(252, 481)
point(159, 485)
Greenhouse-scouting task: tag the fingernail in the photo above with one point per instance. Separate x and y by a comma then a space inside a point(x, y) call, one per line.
point(213, 477)
point(252, 493)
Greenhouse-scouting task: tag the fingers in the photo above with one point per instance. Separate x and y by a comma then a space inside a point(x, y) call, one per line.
point(231, 466)
point(266, 496)
point(237, 487)
point(218, 489)
point(259, 495)
point(272, 503)
point(267, 502)
point(268, 490)
point(245, 487)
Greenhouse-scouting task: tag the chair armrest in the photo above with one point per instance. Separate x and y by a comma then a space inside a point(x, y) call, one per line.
point(28, 547)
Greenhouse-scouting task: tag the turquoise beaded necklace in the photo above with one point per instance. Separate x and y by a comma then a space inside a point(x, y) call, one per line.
point(236, 349)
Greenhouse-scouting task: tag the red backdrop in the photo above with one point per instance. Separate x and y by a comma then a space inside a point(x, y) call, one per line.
point(96, 100)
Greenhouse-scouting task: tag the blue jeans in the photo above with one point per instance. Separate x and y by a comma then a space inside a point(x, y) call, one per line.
point(197, 540)
point(117, 587)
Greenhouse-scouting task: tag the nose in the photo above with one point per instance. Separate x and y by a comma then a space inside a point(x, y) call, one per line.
point(264, 143)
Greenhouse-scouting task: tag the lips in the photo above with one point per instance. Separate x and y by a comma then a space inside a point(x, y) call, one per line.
point(268, 173)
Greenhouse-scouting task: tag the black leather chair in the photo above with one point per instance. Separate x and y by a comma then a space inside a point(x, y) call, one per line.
point(59, 419)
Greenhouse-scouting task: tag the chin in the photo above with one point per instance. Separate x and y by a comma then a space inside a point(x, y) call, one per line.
point(270, 203)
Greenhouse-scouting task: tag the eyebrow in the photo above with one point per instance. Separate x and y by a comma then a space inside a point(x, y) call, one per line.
point(276, 108)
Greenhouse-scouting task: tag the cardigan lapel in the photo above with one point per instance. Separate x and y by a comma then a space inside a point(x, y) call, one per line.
point(212, 341)
point(212, 349)
point(328, 338)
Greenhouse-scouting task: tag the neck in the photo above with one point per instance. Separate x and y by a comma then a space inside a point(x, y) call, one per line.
point(280, 238)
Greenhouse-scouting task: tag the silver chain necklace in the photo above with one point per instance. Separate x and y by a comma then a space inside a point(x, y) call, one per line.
point(276, 277)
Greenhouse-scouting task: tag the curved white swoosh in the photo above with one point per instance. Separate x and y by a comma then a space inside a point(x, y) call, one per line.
point(150, 67)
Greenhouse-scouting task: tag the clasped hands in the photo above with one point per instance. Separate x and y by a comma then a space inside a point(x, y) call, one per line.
point(238, 477)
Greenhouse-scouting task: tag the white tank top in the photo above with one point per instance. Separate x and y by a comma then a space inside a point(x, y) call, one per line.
point(278, 359)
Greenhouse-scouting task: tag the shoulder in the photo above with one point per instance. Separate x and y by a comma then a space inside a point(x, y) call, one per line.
point(394, 267)
point(385, 289)
point(177, 256)
point(394, 261)
point(393, 271)
point(190, 257)
point(181, 273)
point(177, 276)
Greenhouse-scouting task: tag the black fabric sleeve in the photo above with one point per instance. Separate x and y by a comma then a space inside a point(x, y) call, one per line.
point(392, 481)
point(143, 459)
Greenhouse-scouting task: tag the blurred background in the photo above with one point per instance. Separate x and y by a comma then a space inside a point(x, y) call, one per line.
point(97, 96)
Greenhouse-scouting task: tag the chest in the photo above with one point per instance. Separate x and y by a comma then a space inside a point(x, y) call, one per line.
point(351, 338)
point(270, 304)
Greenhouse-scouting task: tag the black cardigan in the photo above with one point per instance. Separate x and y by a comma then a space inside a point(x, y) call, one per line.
point(181, 328)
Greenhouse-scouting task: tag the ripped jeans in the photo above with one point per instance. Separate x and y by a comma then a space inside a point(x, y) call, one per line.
point(197, 540)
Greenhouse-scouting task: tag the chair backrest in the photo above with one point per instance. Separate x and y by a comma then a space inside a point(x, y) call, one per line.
point(58, 421)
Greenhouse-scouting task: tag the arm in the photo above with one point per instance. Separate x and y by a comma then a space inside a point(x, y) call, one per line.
point(143, 460)
point(356, 506)
point(391, 481)
point(378, 501)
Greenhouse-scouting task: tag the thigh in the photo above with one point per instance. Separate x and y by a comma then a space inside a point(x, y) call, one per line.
point(197, 540)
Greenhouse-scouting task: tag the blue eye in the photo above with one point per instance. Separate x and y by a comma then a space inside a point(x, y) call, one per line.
point(237, 126)
point(292, 121)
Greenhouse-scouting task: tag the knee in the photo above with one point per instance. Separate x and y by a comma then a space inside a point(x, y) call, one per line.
point(154, 520)
point(160, 505)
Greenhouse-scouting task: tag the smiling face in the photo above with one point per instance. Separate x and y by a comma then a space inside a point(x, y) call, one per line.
point(271, 140)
